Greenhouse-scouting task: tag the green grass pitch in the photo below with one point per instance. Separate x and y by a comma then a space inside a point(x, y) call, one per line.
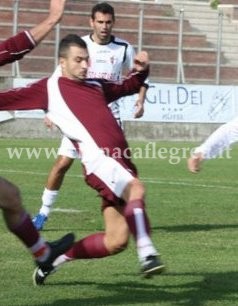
point(194, 222)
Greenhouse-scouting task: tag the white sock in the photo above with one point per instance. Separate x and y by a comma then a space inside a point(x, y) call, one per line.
point(61, 260)
point(40, 250)
point(145, 248)
point(48, 199)
point(144, 244)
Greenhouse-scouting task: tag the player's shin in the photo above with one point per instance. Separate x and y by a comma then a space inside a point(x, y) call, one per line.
point(139, 226)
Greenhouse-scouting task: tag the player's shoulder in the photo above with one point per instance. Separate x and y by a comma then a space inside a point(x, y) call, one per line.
point(116, 39)
point(86, 37)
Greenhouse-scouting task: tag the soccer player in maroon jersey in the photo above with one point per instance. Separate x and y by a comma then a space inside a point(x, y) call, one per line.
point(110, 57)
point(15, 216)
point(71, 100)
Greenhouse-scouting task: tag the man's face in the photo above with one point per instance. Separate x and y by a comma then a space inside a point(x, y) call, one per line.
point(75, 64)
point(102, 26)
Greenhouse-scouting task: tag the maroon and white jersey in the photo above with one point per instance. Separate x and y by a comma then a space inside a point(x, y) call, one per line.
point(85, 101)
point(14, 48)
point(80, 110)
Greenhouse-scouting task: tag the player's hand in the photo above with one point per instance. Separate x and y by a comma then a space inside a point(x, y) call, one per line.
point(141, 61)
point(139, 106)
point(49, 124)
point(56, 10)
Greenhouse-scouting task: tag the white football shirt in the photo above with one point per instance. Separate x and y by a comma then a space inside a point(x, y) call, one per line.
point(108, 61)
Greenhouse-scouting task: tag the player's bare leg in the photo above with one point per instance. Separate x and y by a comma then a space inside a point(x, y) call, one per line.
point(56, 176)
point(20, 224)
point(112, 241)
point(97, 245)
point(54, 182)
point(10, 202)
point(119, 222)
point(139, 226)
point(116, 229)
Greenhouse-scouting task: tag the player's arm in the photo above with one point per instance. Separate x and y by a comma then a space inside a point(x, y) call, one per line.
point(17, 46)
point(56, 10)
point(132, 83)
point(139, 103)
point(14, 48)
point(34, 96)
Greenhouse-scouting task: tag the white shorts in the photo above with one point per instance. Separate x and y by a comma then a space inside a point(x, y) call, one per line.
point(68, 149)
point(109, 177)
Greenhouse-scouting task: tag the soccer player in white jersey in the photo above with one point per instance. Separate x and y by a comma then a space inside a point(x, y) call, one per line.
point(109, 58)
point(220, 140)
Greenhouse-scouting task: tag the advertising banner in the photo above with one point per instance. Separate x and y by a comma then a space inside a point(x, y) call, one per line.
point(185, 103)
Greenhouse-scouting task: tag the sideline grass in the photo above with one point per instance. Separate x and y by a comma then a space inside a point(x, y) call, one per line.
point(194, 223)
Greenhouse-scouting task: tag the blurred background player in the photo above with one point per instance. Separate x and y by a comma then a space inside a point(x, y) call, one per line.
point(110, 56)
point(220, 140)
point(14, 214)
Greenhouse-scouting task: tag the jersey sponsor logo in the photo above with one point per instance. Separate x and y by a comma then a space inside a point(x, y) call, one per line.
point(103, 75)
point(101, 61)
point(104, 51)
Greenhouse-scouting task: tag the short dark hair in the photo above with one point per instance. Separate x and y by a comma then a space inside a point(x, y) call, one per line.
point(68, 41)
point(104, 8)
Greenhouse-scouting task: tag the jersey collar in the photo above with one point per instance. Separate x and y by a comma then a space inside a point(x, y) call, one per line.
point(111, 39)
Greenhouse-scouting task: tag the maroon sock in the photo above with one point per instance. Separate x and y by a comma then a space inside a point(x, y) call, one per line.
point(89, 247)
point(129, 213)
point(26, 231)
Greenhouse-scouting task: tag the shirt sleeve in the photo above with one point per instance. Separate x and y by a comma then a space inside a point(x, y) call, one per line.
point(15, 47)
point(129, 62)
point(129, 86)
point(33, 96)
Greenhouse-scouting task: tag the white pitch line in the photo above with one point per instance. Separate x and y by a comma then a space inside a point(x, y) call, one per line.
point(68, 210)
point(144, 179)
point(183, 183)
point(35, 173)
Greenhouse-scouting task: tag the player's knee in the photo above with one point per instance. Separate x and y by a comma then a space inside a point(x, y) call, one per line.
point(134, 190)
point(118, 246)
point(117, 243)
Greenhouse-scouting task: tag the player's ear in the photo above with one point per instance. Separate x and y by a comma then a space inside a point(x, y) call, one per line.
point(62, 63)
point(91, 22)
